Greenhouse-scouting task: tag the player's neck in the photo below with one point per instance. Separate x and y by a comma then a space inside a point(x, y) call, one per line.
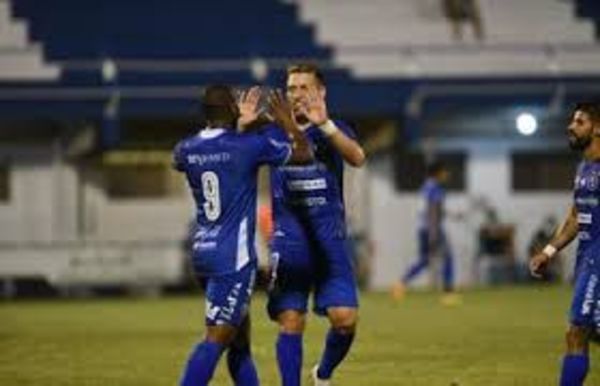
point(592, 152)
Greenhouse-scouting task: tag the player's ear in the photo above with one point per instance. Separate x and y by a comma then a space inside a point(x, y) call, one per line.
point(596, 129)
point(322, 91)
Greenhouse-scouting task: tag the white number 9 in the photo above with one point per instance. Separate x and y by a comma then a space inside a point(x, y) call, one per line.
point(210, 190)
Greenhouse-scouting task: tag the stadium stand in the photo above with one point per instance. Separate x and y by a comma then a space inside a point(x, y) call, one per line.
point(20, 60)
point(589, 9)
point(412, 38)
point(385, 52)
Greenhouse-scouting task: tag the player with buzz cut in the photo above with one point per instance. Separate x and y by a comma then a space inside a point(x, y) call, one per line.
point(221, 167)
point(583, 222)
point(309, 245)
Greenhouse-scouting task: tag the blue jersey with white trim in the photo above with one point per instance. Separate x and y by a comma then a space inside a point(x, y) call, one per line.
point(587, 198)
point(308, 200)
point(221, 168)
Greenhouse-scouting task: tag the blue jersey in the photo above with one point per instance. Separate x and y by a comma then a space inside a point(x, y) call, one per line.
point(308, 200)
point(221, 168)
point(587, 200)
point(432, 193)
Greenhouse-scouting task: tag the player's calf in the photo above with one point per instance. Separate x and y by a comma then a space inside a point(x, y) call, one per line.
point(239, 357)
point(338, 342)
point(576, 362)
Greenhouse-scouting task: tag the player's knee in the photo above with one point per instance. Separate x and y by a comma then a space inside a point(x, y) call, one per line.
point(221, 334)
point(343, 320)
point(291, 322)
point(577, 339)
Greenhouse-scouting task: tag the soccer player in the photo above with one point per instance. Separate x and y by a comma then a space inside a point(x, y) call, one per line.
point(431, 236)
point(309, 249)
point(221, 167)
point(583, 222)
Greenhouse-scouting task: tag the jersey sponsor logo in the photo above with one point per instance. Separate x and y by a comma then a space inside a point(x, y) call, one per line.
point(208, 232)
point(307, 185)
point(310, 201)
point(584, 218)
point(201, 159)
point(302, 168)
point(587, 201)
point(199, 245)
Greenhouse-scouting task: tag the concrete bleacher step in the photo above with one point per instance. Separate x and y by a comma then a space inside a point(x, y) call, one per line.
point(20, 60)
point(470, 63)
point(13, 35)
point(410, 37)
point(383, 34)
point(25, 64)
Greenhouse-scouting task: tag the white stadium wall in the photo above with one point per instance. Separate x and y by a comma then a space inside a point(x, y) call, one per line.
point(394, 215)
point(43, 209)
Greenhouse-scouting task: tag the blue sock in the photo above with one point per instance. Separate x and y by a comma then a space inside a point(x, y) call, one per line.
point(574, 370)
point(336, 347)
point(201, 364)
point(241, 366)
point(289, 358)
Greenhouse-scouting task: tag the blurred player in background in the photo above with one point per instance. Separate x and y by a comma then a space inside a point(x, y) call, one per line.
point(582, 221)
point(221, 167)
point(309, 245)
point(431, 235)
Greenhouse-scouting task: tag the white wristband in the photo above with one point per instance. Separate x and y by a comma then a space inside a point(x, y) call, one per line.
point(328, 128)
point(549, 250)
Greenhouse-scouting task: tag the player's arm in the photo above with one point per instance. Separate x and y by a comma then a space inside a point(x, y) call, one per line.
point(281, 113)
point(563, 236)
point(316, 111)
point(178, 158)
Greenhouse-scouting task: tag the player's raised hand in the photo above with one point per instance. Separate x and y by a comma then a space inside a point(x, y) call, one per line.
point(280, 110)
point(248, 106)
point(314, 107)
point(538, 264)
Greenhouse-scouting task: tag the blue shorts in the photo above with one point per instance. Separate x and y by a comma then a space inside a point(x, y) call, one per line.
point(585, 311)
point(228, 296)
point(298, 268)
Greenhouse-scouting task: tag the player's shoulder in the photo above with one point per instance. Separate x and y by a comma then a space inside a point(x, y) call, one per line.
point(186, 143)
point(271, 130)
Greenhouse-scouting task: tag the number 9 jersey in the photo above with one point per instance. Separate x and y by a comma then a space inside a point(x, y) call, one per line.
point(221, 167)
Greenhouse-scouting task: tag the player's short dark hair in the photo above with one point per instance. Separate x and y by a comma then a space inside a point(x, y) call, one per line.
point(306, 68)
point(217, 101)
point(434, 167)
point(590, 108)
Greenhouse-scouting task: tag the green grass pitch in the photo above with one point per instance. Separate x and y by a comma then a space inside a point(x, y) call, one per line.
point(506, 336)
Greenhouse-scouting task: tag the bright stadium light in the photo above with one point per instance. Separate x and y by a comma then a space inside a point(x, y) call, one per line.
point(526, 124)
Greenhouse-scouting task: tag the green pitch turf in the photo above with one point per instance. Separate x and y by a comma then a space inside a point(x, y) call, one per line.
point(509, 336)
